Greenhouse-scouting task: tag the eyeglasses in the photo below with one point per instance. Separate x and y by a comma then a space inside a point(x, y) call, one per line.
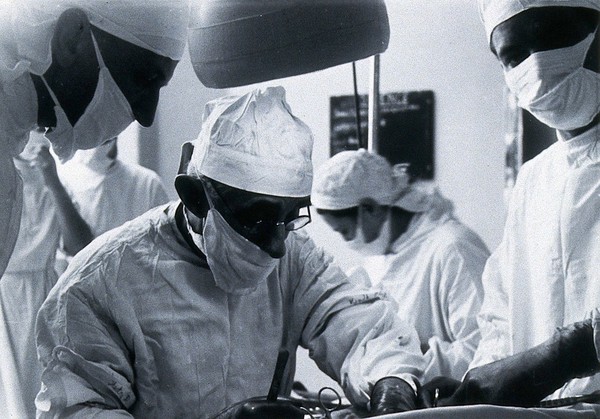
point(295, 221)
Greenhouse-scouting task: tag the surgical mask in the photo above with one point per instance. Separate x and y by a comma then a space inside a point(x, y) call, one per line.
point(33, 146)
point(106, 116)
point(555, 87)
point(378, 246)
point(238, 265)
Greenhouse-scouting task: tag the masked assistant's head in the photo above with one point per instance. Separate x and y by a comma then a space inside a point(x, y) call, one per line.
point(357, 192)
point(71, 42)
point(495, 12)
point(549, 52)
point(353, 192)
point(252, 160)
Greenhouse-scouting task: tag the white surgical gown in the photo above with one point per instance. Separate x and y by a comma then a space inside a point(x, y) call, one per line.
point(546, 271)
point(137, 325)
point(434, 273)
point(106, 201)
point(25, 284)
point(18, 115)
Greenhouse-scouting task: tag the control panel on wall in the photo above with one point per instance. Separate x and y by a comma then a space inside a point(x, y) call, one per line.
point(405, 128)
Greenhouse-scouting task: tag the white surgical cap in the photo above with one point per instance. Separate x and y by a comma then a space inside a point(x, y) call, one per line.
point(28, 25)
point(254, 142)
point(422, 197)
point(349, 177)
point(494, 12)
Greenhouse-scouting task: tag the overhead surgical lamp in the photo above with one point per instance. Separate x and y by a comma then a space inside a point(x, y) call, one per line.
point(239, 42)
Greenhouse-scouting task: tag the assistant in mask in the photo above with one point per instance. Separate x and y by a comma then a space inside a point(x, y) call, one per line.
point(83, 69)
point(107, 191)
point(107, 114)
point(539, 320)
point(414, 249)
point(555, 86)
point(218, 282)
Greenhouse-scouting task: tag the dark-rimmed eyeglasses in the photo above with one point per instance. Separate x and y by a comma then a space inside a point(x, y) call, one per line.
point(260, 226)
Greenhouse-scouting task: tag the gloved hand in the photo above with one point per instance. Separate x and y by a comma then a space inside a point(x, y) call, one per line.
point(444, 385)
point(391, 395)
point(259, 408)
point(526, 378)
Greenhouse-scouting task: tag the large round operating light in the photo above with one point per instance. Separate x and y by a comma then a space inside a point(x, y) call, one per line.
point(239, 42)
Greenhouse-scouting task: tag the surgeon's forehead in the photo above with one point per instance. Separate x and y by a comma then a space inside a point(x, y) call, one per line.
point(251, 200)
point(538, 28)
point(245, 199)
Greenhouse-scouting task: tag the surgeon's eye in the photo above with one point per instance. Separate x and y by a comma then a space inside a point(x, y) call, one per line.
point(253, 216)
point(510, 60)
point(292, 215)
point(248, 220)
point(513, 62)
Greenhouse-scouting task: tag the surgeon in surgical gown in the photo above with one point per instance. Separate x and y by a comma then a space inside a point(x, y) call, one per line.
point(414, 248)
point(84, 69)
point(182, 311)
point(546, 271)
point(540, 322)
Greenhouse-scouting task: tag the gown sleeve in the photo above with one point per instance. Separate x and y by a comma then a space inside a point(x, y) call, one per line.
point(86, 361)
point(351, 332)
point(460, 286)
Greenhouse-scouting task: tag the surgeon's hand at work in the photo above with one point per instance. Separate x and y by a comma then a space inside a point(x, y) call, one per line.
point(392, 395)
point(439, 388)
point(526, 378)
